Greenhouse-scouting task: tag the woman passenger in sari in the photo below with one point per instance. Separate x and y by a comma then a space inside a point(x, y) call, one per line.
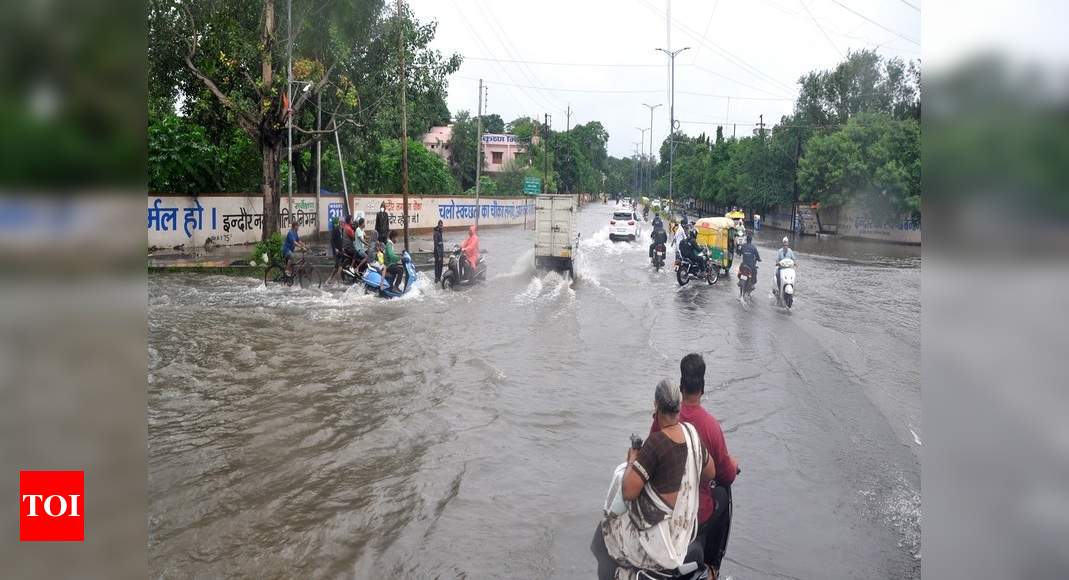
point(653, 526)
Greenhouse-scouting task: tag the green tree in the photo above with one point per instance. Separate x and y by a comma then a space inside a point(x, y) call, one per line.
point(874, 159)
point(427, 173)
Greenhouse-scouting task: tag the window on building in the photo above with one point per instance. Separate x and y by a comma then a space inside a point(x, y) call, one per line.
point(497, 157)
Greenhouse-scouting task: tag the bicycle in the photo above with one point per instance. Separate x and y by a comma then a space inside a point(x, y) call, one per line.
point(303, 273)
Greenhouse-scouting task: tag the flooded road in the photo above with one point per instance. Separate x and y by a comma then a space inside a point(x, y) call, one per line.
point(472, 434)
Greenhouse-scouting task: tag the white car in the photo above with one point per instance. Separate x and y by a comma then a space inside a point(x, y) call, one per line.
point(623, 226)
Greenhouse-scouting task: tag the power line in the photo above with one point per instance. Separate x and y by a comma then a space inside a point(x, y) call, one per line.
point(635, 91)
point(538, 103)
point(913, 6)
point(819, 27)
point(866, 18)
point(706, 33)
point(724, 53)
point(510, 49)
point(578, 64)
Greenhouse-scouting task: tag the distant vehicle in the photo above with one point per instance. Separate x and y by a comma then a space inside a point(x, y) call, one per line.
point(626, 200)
point(623, 226)
point(556, 238)
point(655, 204)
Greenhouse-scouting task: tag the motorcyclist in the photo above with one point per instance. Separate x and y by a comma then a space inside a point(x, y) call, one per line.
point(750, 255)
point(657, 223)
point(690, 250)
point(470, 254)
point(784, 252)
point(658, 236)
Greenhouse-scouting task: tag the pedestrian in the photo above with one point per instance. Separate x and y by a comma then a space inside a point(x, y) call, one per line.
point(439, 252)
point(757, 222)
point(382, 223)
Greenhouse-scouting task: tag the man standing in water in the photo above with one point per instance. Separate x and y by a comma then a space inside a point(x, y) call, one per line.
point(382, 223)
point(712, 501)
point(439, 251)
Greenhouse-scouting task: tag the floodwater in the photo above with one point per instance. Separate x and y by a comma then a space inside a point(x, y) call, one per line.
point(472, 434)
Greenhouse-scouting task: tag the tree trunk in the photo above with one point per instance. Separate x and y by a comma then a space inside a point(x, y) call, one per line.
point(272, 157)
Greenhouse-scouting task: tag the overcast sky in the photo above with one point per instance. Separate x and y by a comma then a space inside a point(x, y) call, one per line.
point(542, 56)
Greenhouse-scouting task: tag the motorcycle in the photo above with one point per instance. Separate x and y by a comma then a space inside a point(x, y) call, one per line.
point(785, 293)
point(374, 283)
point(658, 256)
point(687, 269)
point(747, 282)
point(452, 278)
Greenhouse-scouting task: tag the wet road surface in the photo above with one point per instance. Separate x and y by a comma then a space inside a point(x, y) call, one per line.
point(471, 434)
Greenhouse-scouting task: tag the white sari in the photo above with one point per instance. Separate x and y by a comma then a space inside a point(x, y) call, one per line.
point(663, 546)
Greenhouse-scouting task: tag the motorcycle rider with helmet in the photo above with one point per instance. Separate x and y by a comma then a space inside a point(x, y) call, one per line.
point(784, 253)
point(689, 249)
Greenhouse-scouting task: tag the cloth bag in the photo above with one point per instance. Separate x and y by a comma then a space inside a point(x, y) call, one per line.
point(662, 546)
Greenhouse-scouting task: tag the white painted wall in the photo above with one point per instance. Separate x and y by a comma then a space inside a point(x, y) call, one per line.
point(237, 219)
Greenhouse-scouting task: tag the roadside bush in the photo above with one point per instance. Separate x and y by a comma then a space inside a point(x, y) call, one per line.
point(272, 247)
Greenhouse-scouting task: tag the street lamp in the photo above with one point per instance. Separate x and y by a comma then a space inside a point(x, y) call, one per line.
point(643, 131)
point(672, 117)
point(649, 170)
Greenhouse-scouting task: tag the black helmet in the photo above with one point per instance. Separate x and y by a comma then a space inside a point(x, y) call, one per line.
point(693, 234)
point(749, 238)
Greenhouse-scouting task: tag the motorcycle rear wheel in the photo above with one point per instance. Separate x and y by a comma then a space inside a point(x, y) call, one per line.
point(448, 282)
point(788, 300)
point(682, 276)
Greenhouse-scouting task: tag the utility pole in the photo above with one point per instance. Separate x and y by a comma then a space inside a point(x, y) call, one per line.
point(649, 168)
point(404, 122)
point(289, 105)
point(638, 147)
point(672, 115)
point(319, 157)
point(761, 125)
point(641, 154)
point(479, 153)
point(568, 124)
point(341, 163)
point(545, 153)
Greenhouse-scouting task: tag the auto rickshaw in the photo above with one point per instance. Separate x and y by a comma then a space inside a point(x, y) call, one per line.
point(740, 226)
point(717, 234)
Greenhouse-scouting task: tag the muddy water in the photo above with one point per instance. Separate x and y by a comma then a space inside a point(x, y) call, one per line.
point(472, 433)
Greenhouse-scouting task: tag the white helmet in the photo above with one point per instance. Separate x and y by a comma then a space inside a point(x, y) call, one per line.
point(785, 240)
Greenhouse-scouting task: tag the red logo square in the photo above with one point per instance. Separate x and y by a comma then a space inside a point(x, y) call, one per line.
point(51, 506)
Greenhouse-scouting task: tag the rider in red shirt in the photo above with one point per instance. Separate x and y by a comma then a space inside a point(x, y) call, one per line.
point(711, 510)
point(470, 248)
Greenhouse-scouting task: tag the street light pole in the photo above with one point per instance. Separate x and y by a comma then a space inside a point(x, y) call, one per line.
point(640, 171)
point(672, 117)
point(649, 170)
point(289, 101)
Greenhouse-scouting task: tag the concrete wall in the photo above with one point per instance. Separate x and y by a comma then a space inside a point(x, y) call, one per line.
point(229, 219)
point(848, 221)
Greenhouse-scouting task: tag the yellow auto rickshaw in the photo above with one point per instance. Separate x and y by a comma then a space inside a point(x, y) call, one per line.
point(717, 234)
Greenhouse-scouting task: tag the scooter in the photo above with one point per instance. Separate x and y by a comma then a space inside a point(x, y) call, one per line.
point(451, 277)
point(785, 293)
point(747, 282)
point(374, 283)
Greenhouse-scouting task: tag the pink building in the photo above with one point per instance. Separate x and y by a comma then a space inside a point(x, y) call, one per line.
point(499, 150)
point(437, 141)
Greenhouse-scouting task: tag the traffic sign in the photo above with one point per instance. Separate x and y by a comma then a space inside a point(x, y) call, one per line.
point(532, 185)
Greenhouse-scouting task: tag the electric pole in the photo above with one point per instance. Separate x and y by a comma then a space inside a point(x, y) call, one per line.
point(545, 152)
point(642, 154)
point(761, 125)
point(479, 153)
point(404, 122)
point(319, 157)
point(672, 117)
point(649, 169)
point(289, 105)
point(568, 124)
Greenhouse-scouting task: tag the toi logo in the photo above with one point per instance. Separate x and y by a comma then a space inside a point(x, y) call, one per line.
point(51, 506)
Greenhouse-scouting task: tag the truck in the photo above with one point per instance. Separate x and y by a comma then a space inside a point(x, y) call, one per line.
point(556, 238)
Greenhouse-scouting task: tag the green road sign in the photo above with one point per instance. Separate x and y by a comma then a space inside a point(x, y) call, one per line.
point(532, 185)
